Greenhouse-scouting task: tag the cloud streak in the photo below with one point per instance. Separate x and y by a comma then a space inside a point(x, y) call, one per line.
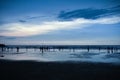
point(27, 29)
point(89, 13)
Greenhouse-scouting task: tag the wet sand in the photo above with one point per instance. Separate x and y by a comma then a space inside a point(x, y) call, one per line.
point(31, 70)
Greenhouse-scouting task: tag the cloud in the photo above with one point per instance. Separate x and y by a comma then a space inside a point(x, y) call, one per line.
point(82, 13)
point(7, 37)
point(34, 17)
point(28, 29)
point(22, 21)
point(89, 13)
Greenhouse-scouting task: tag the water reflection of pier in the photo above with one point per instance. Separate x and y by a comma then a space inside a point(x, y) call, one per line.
point(44, 48)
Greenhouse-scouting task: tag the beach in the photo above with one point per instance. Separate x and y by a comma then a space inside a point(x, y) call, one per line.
point(33, 70)
point(65, 64)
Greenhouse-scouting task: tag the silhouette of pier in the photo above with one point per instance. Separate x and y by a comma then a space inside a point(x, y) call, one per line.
point(44, 48)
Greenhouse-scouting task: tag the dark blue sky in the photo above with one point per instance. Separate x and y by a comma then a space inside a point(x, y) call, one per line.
point(60, 21)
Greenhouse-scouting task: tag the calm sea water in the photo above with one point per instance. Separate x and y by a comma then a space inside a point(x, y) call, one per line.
point(65, 55)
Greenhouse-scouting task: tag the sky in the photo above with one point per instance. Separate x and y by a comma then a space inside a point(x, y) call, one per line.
point(63, 22)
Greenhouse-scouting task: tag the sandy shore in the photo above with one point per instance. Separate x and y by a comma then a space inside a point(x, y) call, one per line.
point(31, 70)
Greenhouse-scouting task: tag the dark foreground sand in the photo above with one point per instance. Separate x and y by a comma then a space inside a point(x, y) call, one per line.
point(30, 70)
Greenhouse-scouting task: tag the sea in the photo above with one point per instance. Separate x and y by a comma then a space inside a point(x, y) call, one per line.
point(53, 55)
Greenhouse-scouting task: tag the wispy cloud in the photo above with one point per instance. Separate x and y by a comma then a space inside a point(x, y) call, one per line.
point(22, 21)
point(89, 13)
point(35, 19)
point(27, 29)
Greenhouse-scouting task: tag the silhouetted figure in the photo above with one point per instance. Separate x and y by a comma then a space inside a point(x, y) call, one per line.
point(108, 50)
point(48, 49)
point(99, 49)
point(59, 49)
point(2, 46)
point(7, 48)
point(88, 49)
point(112, 50)
point(41, 49)
point(17, 49)
point(2, 49)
